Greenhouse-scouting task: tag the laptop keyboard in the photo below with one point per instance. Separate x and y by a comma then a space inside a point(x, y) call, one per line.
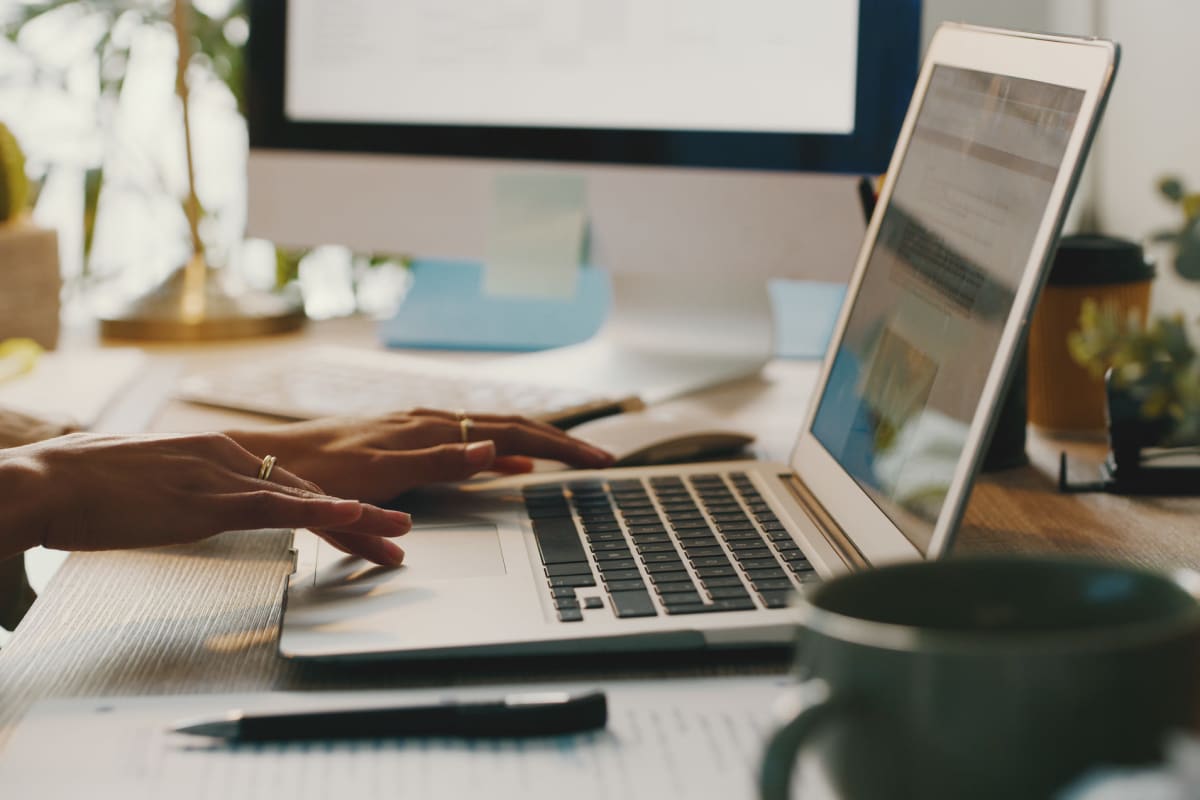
point(680, 545)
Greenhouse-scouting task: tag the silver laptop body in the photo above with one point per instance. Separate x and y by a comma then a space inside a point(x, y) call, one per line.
point(706, 555)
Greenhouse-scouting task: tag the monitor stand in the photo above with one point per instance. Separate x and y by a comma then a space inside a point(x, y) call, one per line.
point(665, 336)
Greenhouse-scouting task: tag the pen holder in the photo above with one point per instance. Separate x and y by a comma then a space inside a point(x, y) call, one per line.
point(1063, 397)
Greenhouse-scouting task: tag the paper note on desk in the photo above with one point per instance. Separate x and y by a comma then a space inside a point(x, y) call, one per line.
point(536, 235)
point(73, 387)
point(693, 738)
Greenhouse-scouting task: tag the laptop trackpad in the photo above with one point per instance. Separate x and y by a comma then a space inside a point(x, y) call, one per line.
point(431, 552)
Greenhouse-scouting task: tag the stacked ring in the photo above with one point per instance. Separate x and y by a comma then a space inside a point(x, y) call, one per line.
point(464, 426)
point(264, 471)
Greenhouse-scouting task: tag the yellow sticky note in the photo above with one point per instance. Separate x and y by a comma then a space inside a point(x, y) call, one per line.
point(536, 235)
point(18, 356)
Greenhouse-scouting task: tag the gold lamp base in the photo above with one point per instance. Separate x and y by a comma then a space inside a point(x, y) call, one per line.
point(191, 305)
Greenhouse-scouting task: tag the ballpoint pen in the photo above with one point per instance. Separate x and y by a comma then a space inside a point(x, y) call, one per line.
point(533, 714)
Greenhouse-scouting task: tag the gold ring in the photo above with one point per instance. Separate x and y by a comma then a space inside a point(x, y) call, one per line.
point(464, 425)
point(264, 471)
point(460, 414)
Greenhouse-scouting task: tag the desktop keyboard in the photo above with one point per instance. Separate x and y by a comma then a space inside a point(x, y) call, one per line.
point(324, 381)
point(705, 543)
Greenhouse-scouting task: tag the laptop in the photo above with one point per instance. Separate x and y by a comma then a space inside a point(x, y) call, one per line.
point(707, 555)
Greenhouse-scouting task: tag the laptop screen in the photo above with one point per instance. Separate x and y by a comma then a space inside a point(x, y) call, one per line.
point(924, 328)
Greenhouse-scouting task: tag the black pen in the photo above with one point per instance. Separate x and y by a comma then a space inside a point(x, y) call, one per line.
point(533, 714)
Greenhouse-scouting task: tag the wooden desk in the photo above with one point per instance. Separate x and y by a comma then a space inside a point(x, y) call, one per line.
point(203, 618)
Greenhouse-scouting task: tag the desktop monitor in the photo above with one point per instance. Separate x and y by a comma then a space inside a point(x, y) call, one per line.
point(715, 139)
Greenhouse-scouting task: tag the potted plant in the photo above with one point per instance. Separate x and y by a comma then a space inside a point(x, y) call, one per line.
point(30, 281)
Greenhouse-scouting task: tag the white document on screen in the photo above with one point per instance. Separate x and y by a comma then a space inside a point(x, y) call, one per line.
point(694, 738)
point(784, 66)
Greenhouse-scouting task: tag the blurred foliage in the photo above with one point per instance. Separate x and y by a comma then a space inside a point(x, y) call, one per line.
point(218, 36)
point(1186, 238)
point(1155, 365)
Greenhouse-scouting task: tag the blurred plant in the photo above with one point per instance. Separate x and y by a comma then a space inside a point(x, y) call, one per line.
point(1186, 238)
point(1155, 365)
point(102, 36)
point(14, 185)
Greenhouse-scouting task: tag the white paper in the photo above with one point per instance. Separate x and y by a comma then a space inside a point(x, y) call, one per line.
point(73, 387)
point(691, 738)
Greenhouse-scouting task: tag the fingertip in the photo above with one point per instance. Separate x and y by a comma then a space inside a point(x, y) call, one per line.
point(479, 455)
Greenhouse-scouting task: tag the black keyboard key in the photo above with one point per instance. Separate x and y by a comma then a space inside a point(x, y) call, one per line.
point(558, 541)
point(733, 604)
point(779, 535)
point(772, 584)
point(560, 570)
point(794, 556)
point(703, 551)
point(610, 575)
point(572, 580)
point(722, 571)
point(633, 603)
point(609, 556)
point(570, 615)
point(738, 530)
point(565, 602)
point(620, 586)
point(679, 598)
point(754, 564)
point(689, 608)
point(765, 574)
point(710, 561)
point(560, 592)
point(691, 525)
point(605, 536)
point(639, 529)
point(787, 547)
point(663, 586)
point(754, 558)
point(776, 599)
point(601, 527)
point(727, 592)
point(772, 526)
point(716, 581)
point(643, 518)
point(662, 558)
point(666, 568)
point(593, 602)
point(626, 484)
point(609, 547)
point(616, 565)
point(801, 567)
point(651, 538)
point(655, 547)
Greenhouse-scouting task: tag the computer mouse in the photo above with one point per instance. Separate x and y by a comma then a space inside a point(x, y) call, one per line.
point(662, 436)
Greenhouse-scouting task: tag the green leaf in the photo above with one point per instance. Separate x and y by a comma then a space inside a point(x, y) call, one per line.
point(1171, 188)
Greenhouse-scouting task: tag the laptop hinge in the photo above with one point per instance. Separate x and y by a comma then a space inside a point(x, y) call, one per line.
point(830, 530)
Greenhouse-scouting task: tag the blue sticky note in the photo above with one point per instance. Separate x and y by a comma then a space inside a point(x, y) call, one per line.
point(805, 315)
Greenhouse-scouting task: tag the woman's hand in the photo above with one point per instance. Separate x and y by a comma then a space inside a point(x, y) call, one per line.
point(96, 492)
point(376, 459)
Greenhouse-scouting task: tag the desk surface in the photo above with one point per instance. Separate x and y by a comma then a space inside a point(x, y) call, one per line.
point(204, 618)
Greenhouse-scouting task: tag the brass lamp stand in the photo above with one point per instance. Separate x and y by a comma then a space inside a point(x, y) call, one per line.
point(192, 304)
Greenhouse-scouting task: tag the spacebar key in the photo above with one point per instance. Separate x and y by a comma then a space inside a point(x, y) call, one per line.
point(633, 603)
point(558, 541)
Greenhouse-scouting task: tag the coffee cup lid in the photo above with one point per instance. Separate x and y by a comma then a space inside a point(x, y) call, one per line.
point(1089, 259)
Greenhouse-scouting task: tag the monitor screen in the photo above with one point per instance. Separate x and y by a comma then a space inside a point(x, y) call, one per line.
point(771, 66)
point(758, 84)
point(925, 325)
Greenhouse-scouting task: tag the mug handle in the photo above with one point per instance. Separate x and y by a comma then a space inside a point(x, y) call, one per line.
point(816, 708)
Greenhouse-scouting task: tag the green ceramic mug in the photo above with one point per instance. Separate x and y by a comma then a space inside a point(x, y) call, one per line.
point(988, 678)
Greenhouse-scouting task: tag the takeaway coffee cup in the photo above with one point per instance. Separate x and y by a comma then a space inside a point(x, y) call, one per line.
point(988, 678)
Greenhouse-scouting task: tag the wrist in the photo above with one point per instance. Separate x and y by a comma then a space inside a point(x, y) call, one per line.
point(23, 502)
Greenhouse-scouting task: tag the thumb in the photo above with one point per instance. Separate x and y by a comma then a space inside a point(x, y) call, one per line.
point(454, 462)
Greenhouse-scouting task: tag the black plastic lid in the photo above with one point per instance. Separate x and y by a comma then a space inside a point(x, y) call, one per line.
point(1089, 259)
